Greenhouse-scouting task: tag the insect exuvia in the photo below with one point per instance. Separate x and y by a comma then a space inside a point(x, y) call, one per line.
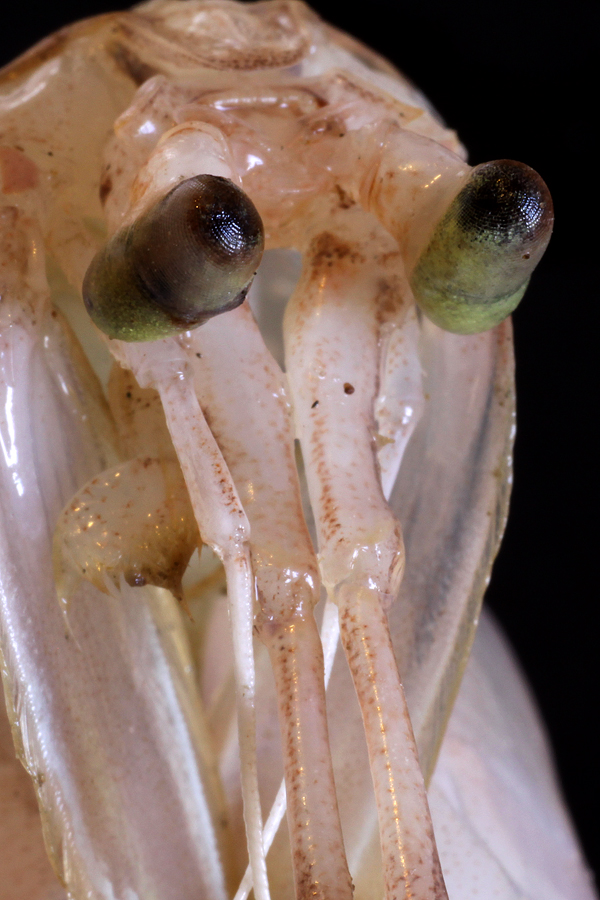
point(303, 287)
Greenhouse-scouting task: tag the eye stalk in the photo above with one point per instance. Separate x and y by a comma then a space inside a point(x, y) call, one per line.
point(477, 265)
point(192, 256)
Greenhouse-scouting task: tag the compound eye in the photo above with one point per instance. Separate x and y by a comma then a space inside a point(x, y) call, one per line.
point(479, 260)
point(192, 256)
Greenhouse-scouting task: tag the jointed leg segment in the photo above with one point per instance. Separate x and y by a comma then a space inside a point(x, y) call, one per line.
point(349, 286)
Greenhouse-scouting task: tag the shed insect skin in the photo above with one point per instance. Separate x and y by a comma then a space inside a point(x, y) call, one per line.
point(344, 387)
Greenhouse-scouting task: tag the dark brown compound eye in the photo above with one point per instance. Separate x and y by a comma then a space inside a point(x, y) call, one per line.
point(479, 260)
point(192, 256)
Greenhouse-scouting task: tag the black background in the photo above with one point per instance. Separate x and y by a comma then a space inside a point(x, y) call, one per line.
point(516, 81)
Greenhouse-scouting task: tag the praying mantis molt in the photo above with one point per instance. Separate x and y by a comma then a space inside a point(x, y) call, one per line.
point(250, 203)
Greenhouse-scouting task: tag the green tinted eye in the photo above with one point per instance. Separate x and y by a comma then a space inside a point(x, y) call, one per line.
point(191, 256)
point(478, 263)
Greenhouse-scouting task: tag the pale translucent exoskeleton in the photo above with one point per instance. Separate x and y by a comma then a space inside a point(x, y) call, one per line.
point(147, 159)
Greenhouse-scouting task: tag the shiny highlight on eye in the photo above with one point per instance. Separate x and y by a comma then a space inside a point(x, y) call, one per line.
point(192, 256)
point(479, 260)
